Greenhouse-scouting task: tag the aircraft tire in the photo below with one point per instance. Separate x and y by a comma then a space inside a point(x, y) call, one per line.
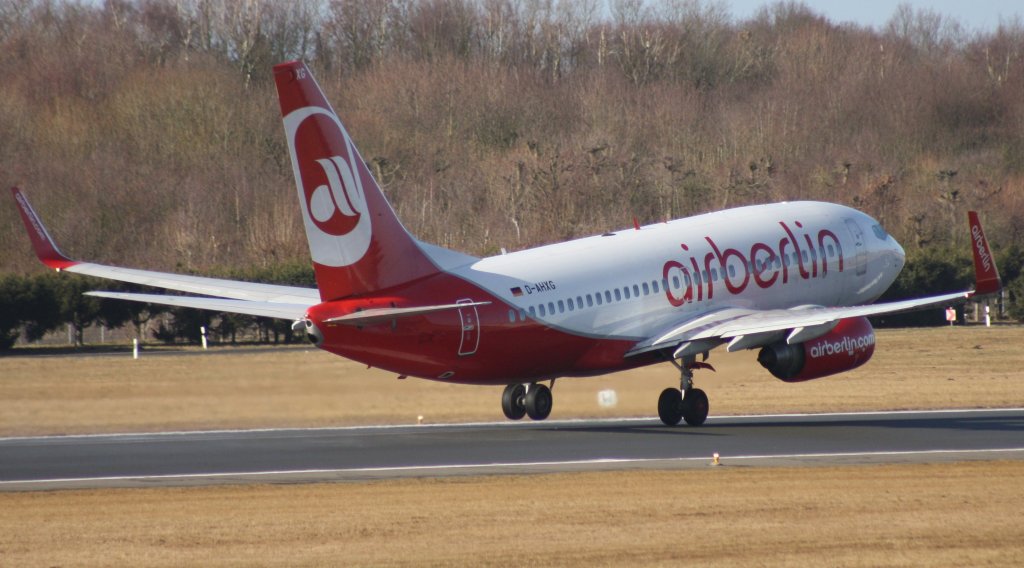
point(670, 406)
point(538, 402)
point(512, 401)
point(695, 407)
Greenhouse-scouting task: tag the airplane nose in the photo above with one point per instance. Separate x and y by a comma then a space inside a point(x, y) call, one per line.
point(899, 256)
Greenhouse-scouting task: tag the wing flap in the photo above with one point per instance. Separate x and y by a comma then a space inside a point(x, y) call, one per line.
point(276, 310)
point(235, 289)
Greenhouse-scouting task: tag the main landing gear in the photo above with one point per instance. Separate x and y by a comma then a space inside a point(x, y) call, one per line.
point(685, 403)
point(530, 399)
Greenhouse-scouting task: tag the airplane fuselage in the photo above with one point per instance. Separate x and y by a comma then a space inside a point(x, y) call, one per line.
point(576, 308)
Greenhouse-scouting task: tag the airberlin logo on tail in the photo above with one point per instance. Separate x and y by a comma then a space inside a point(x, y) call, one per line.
point(330, 187)
point(334, 211)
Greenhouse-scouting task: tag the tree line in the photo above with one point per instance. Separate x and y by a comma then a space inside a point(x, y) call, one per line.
point(147, 132)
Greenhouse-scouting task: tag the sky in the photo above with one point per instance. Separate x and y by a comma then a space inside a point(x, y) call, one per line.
point(973, 15)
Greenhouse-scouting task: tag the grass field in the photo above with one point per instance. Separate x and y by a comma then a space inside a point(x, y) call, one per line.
point(962, 367)
point(966, 514)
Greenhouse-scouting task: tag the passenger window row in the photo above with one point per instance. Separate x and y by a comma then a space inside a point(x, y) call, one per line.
point(583, 302)
point(628, 292)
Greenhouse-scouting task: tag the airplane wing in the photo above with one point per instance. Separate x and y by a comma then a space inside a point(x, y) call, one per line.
point(232, 296)
point(252, 298)
point(748, 329)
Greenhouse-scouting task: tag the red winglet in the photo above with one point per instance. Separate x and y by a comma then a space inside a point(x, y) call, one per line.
point(46, 249)
point(986, 275)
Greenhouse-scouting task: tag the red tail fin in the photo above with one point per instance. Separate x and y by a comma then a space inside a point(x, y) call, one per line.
point(357, 243)
point(986, 275)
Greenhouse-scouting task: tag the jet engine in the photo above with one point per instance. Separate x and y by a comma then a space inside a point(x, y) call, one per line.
point(848, 346)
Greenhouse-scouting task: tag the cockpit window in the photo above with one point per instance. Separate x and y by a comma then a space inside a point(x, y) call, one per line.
point(879, 232)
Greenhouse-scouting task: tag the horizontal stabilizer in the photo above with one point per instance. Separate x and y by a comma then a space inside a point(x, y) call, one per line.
point(378, 315)
point(252, 308)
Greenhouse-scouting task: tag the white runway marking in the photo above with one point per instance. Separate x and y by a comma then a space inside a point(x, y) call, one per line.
point(369, 471)
point(507, 423)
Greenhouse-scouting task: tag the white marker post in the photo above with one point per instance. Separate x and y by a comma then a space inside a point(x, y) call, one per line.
point(988, 317)
point(202, 334)
point(135, 348)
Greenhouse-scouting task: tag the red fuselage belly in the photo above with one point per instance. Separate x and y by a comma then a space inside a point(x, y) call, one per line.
point(438, 346)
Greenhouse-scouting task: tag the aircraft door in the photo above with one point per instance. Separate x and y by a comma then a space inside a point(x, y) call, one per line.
point(470, 321)
point(861, 253)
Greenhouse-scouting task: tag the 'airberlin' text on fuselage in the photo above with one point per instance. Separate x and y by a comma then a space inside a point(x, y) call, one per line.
point(764, 264)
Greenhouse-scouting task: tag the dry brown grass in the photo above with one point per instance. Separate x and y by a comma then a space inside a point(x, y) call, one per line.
point(909, 515)
point(964, 514)
point(923, 368)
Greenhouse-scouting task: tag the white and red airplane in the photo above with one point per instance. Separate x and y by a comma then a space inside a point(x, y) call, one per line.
point(795, 280)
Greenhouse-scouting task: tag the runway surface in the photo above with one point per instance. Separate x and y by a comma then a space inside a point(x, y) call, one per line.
point(359, 453)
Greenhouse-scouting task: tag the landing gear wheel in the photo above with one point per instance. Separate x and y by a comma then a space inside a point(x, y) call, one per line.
point(695, 407)
point(512, 401)
point(538, 402)
point(670, 406)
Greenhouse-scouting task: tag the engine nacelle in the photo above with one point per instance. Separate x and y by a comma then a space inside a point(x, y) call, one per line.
point(313, 333)
point(848, 346)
